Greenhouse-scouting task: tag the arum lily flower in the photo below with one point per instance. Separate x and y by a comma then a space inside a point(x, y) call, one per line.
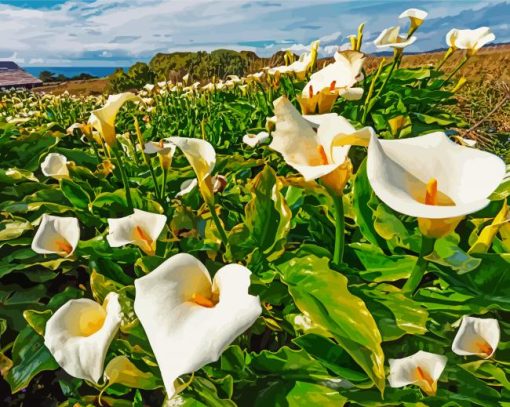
point(432, 178)
point(57, 234)
point(335, 79)
point(422, 369)
point(470, 40)
point(55, 166)
point(187, 186)
point(416, 17)
point(300, 67)
point(477, 336)
point(103, 119)
point(254, 139)
point(190, 319)
point(165, 150)
point(390, 37)
point(219, 182)
point(313, 152)
point(140, 228)
point(79, 334)
point(202, 157)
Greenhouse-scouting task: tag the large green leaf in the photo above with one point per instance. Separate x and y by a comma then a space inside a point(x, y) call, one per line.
point(30, 357)
point(323, 295)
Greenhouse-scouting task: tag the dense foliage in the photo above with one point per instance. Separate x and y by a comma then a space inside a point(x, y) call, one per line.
point(327, 329)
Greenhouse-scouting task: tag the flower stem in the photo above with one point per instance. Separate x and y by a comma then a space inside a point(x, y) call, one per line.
point(339, 229)
point(163, 185)
point(462, 63)
point(371, 91)
point(427, 247)
point(217, 222)
point(146, 159)
point(124, 177)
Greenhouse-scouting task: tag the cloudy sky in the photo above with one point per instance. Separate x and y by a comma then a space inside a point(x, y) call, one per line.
point(120, 32)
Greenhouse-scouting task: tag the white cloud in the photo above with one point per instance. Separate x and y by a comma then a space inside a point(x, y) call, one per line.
point(103, 32)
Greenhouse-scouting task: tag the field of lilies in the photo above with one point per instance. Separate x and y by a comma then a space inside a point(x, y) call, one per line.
point(304, 236)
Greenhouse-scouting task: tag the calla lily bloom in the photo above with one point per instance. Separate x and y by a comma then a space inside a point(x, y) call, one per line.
point(57, 234)
point(254, 139)
point(202, 157)
point(335, 79)
point(416, 17)
point(301, 66)
point(390, 37)
point(190, 319)
point(470, 40)
point(103, 119)
point(140, 228)
point(165, 150)
point(311, 150)
point(477, 336)
point(218, 181)
point(55, 166)
point(432, 178)
point(422, 369)
point(79, 334)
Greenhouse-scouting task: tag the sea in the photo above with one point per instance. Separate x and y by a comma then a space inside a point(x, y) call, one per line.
point(70, 71)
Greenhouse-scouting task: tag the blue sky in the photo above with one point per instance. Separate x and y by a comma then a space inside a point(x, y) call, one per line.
point(120, 32)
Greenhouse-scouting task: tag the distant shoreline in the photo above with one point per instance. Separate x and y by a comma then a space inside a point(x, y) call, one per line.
point(71, 71)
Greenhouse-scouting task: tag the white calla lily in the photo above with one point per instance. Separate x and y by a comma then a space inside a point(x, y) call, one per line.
point(56, 234)
point(253, 140)
point(390, 37)
point(416, 17)
point(165, 150)
point(202, 158)
point(103, 119)
point(431, 177)
point(79, 334)
point(477, 336)
point(470, 40)
point(140, 228)
point(311, 150)
point(55, 166)
point(334, 79)
point(187, 186)
point(190, 319)
point(422, 369)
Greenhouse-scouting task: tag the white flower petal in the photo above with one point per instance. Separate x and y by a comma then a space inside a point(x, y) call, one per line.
point(389, 37)
point(56, 234)
point(352, 93)
point(79, 334)
point(414, 13)
point(199, 153)
point(293, 137)
point(398, 171)
point(253, 139)
point(55, 165)
point(184, 335)
point(153, 147)
point(121, 230)
point(403, 371)
point(474, 334)
point(469, 39)
point(187, 186)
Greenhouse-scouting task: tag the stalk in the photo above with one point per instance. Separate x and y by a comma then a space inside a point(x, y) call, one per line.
point(124, 178)
point(396, 60)
point(217, 222)
point(339, 229)
point(371, 91)
point(463, 62)
point(447, 55)
point(427, 247)
point(146, 158)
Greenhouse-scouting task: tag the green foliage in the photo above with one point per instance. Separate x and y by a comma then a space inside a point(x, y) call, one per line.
point(327, 331)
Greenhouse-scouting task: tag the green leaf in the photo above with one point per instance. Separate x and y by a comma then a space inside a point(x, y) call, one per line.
point(322, 294)
point(37, 319)
point(75, 194)
point(267, 214)
point(298, 394)
point(30, 357)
